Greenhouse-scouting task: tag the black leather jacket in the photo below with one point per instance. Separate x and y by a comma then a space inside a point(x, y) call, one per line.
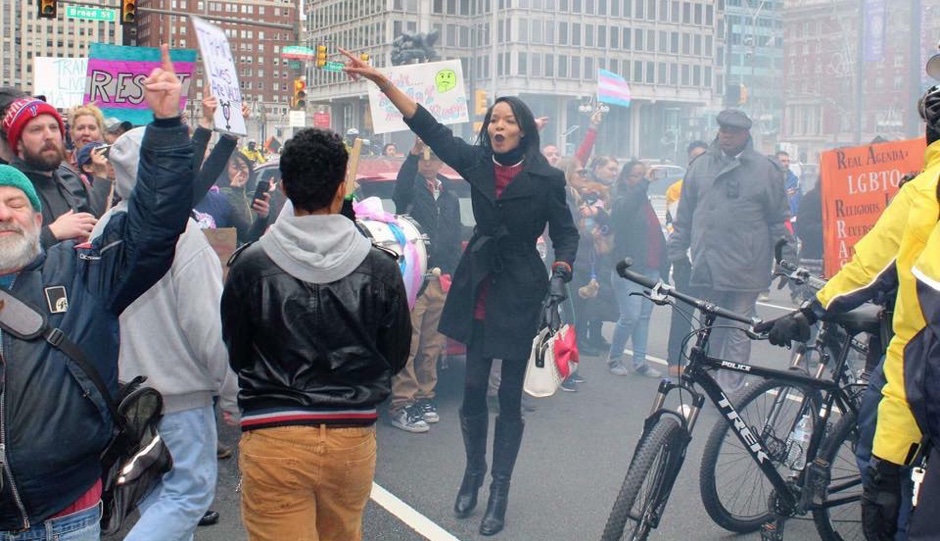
point(308, 353)
point(55, 423)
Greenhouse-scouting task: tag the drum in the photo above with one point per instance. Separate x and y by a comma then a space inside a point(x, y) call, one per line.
point(405, 237)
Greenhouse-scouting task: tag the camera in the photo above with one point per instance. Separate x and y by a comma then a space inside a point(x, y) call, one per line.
point(104, 150)
point(590, 198)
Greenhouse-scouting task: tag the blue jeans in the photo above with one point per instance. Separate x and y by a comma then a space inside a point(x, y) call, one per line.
point(80, 526)
point(173, 509)
point(634, 321)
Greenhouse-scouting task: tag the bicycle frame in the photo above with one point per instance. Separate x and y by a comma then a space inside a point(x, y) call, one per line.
point(697, 373)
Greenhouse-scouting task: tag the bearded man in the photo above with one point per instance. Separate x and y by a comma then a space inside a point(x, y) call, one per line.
point(34, 133)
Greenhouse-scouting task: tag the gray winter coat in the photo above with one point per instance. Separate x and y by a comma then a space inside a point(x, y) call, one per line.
point(731, 212)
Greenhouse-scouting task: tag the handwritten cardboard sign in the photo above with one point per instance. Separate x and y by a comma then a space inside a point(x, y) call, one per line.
point(60, 80)
point(115, 78)
point(857, 184)
point(438, 86)
point(222, 77)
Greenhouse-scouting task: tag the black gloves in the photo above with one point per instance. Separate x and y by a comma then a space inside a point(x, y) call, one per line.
point(881, 500)
point(557, 291)
point(681, 273)
point(793, 326)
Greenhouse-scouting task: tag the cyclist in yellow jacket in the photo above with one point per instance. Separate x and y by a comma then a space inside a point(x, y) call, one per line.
point(883, 258)
point(253, 153)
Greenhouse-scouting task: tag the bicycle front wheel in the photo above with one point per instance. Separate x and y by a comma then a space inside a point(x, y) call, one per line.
point(839, 517)
point(734, 490)
point(649, 480)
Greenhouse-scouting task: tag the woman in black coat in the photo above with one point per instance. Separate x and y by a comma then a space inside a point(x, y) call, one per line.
point(496, 300)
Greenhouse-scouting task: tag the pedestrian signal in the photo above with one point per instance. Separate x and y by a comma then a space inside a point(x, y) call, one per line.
point(321, 56)
point(299, 101)
point(479, 102)
point(128, 11)
point(48, 9)
point(745, 94)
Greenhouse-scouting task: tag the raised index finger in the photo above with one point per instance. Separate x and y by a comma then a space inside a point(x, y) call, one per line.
point(347, 54)
point(165, 63)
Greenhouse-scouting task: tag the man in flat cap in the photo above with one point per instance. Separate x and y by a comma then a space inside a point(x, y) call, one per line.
point(732, 210)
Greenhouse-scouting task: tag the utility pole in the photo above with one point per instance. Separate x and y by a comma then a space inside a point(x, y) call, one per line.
point(859, 64)
point(916, 70)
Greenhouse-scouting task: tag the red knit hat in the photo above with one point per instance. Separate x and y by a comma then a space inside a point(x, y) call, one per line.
point(21, 112)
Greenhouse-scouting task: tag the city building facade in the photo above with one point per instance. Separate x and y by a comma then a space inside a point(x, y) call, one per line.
point(547, 52)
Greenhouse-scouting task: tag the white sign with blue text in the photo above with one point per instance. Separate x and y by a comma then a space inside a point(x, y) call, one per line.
point(438, 86)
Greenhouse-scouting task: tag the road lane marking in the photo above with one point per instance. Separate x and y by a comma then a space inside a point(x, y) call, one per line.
point(407, 514)
point(777, 306)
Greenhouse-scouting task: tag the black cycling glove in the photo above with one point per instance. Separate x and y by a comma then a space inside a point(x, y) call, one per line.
point(881, 500)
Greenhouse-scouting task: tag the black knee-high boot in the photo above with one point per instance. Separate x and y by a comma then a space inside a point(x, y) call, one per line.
point(474, 429)
point(506, 442)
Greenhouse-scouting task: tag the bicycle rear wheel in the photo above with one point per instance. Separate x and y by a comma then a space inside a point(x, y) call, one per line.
point(839, 518)
point(649, 480)
point(734, 490)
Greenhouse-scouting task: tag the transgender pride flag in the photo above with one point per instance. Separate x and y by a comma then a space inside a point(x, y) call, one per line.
point(612, 89)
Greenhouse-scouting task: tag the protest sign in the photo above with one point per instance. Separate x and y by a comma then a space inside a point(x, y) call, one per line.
point(221, 76)
point(438, 86)
point(60, 80)
point(856, 185)
point(115, 78)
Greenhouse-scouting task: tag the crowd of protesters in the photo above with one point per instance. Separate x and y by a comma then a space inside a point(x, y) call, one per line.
point(311, 331)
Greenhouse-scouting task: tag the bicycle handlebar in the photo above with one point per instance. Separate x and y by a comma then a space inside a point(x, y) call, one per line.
point(659, 288)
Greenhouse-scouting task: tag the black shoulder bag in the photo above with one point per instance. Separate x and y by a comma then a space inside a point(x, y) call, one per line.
point(136, 457)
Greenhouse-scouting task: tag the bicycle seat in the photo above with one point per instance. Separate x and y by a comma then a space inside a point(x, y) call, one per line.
point(865, 318)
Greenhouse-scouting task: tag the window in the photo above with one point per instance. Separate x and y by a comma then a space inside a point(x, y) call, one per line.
point(614, 37)
point(708, 76)
point(709, 15)
point(523, 64)
point(576, 33)
point(638, 40)
point(650, 72)
point(686, 44)
point(536, 64)
point(563, 65)
point(563, 33)
point(663, 41)
point(639, 8)
point(674, 43)
point(661, 73)
point(685, 75)
point(549, 65)
point(625, 38)
point(674, 74)
point(589, 72)
point(627, 8)
point(674, 14)
point(575, 67)
point(686, 12)
point(698, 13)
point(696, 75)
point(698, 45)
point(637, 71)
point(651, 10)
point(588, 35)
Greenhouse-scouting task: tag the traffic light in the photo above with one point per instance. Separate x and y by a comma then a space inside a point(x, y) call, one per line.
point(299, 101)
point(745, 93)
point(479, 102)
point(321, 56)
point(364, 57)
point(128, 11)
point(48, 9)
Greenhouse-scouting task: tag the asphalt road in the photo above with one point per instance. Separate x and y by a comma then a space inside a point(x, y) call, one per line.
point(576, 450)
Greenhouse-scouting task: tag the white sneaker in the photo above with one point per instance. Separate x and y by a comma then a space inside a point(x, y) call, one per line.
point(410, 419)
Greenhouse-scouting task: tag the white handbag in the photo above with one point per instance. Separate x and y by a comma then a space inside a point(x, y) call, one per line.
point(542, 375)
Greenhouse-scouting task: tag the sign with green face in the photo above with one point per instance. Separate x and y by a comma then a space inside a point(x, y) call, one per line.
point(334, 66)
point(90, 14)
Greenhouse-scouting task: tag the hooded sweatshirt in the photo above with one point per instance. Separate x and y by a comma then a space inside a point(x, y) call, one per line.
point(173, 333)
point(318, 248)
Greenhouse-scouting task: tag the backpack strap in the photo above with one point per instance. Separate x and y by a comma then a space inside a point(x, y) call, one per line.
point(22, 320)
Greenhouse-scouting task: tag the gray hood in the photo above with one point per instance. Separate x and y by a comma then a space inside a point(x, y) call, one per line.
point(319, 249)
point(125, 158)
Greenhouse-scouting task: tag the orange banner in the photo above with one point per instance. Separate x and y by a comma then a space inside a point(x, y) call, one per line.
point(857, 184)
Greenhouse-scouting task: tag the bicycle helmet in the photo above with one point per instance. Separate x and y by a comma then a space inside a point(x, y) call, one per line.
point(929, 107)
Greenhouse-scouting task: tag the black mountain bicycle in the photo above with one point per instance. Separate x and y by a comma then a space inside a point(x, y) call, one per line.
point(661, 451)
point(734, 490)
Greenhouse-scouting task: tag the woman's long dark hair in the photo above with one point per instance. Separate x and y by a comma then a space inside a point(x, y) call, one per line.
point(224, 181)
point(530, 143)
point(621, 183)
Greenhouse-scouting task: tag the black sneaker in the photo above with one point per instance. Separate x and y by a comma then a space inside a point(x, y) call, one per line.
point(568, 386)
point(428, 411)
point(410, 419)
point(576, 378)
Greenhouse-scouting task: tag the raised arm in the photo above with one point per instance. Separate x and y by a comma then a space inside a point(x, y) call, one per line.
point(356, 68)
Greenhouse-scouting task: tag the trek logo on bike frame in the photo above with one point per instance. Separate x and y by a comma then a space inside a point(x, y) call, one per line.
point(742, 429)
